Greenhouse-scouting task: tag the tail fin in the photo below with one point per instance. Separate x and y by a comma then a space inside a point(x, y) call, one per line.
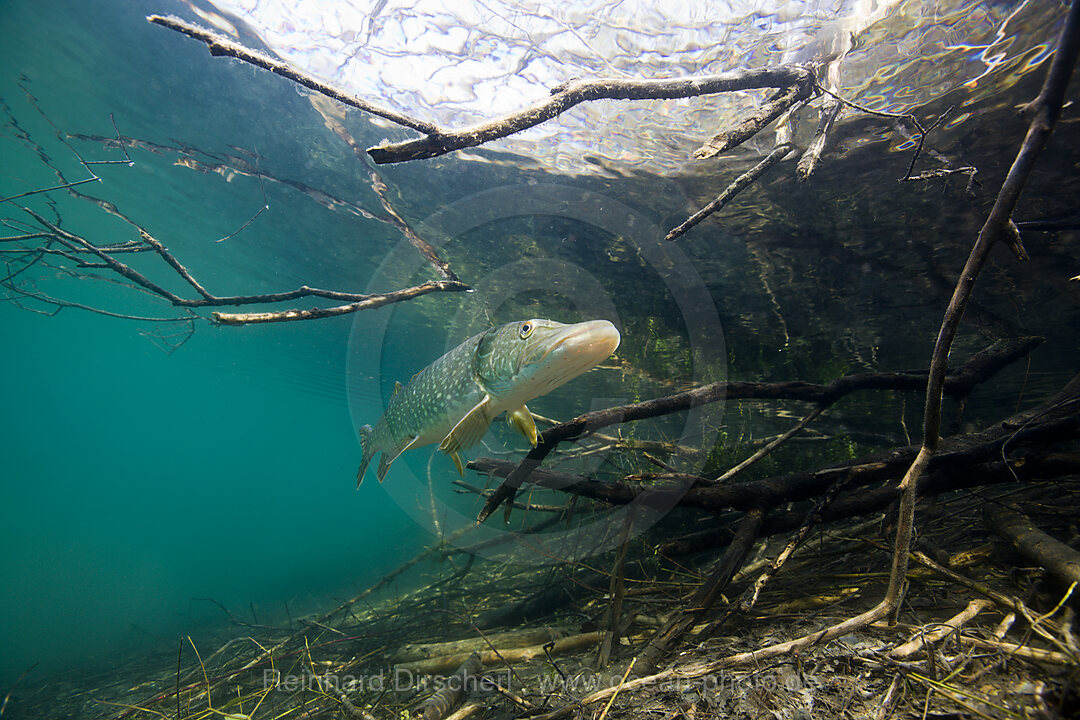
point(369, 452)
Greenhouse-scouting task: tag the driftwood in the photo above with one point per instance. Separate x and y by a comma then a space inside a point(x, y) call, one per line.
point(451, 694)
point(965, 461)
point(960, 383)
point(703, 598)
point(88, 254)
point(78, 254)
point(500, 655)
point(946, 628)
point(1059, 559)
point(1034, 466)
point(219, 45)
point(738, 185)
point(569, 94)
point(514, 639)
point(795, 83)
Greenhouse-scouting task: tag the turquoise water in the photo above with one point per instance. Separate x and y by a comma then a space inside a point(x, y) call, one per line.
point(136, 482)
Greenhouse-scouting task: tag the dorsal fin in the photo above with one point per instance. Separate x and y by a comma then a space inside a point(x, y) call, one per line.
point(397, 388)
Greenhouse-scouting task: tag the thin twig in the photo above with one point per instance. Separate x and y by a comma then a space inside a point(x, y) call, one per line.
point(738, 185)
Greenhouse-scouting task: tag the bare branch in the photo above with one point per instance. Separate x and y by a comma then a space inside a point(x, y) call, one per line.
point(220, 45)
point(421, 245)
point(749, 127)
point(368, 302)
point(569, 94)
point(1046, 109)
point(981, 366)
point(86, 255)
point(741, 183)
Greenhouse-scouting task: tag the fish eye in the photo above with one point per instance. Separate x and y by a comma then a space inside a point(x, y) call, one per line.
point(525, 330)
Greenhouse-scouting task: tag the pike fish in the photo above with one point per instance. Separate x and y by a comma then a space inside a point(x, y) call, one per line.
point(454, 399)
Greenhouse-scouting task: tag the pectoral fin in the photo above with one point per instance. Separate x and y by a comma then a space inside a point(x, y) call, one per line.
point(522, 421)
point(390, 456)
point(469, 429)
point(457, 463)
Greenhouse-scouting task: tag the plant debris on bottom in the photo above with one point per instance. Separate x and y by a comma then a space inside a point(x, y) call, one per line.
point(363, 659)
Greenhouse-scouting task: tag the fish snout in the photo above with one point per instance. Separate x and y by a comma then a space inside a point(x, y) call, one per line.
point(576, 349)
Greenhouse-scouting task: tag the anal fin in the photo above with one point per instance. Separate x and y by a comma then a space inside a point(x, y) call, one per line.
point(390, 456)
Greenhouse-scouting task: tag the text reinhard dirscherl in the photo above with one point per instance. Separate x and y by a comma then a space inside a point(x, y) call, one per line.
point(403, 680)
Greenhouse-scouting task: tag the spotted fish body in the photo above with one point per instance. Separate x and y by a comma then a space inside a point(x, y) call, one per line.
point(454, 399)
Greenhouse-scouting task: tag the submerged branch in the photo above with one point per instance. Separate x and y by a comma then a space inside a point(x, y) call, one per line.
point(56, 240)
point(574, 92)
point(977, 369)
point(740, 183)
point(367, 303)
point(220, 45)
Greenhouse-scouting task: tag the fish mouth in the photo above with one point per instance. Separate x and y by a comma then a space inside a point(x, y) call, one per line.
point(576, 349)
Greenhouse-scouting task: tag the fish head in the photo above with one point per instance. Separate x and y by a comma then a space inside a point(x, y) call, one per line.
point(523, 360)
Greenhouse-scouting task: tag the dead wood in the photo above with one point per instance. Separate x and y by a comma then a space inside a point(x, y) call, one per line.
point(367, 302)
point(616, 593)
point(78, 247)
point(740, 183)
point(422, 246)
point(449, 697)
point(940, 631)
point(574, 92)
point(780, 103)
point(977, 369)
point(1046, 108)
point(1059, 559)
point(1031, 466)
point(219, 45)
point(511, 639)
point(703, 598)
point(811, 157)
point(795, 83)
point(967, 463)
point(55, 240)
point(499, 655)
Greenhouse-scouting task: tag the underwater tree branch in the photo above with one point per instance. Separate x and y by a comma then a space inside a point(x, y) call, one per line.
point(811, 157)
point(975, 461)
point(367, 302)
point(219, 45)
point(422, 246)
point(571, 93)
point(1058, 558)
point(738, 185)
point(31, 245)
point(1045, 110)
point(357, 301)
point(977, 369)
point(772, 109)
point(706, 594)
